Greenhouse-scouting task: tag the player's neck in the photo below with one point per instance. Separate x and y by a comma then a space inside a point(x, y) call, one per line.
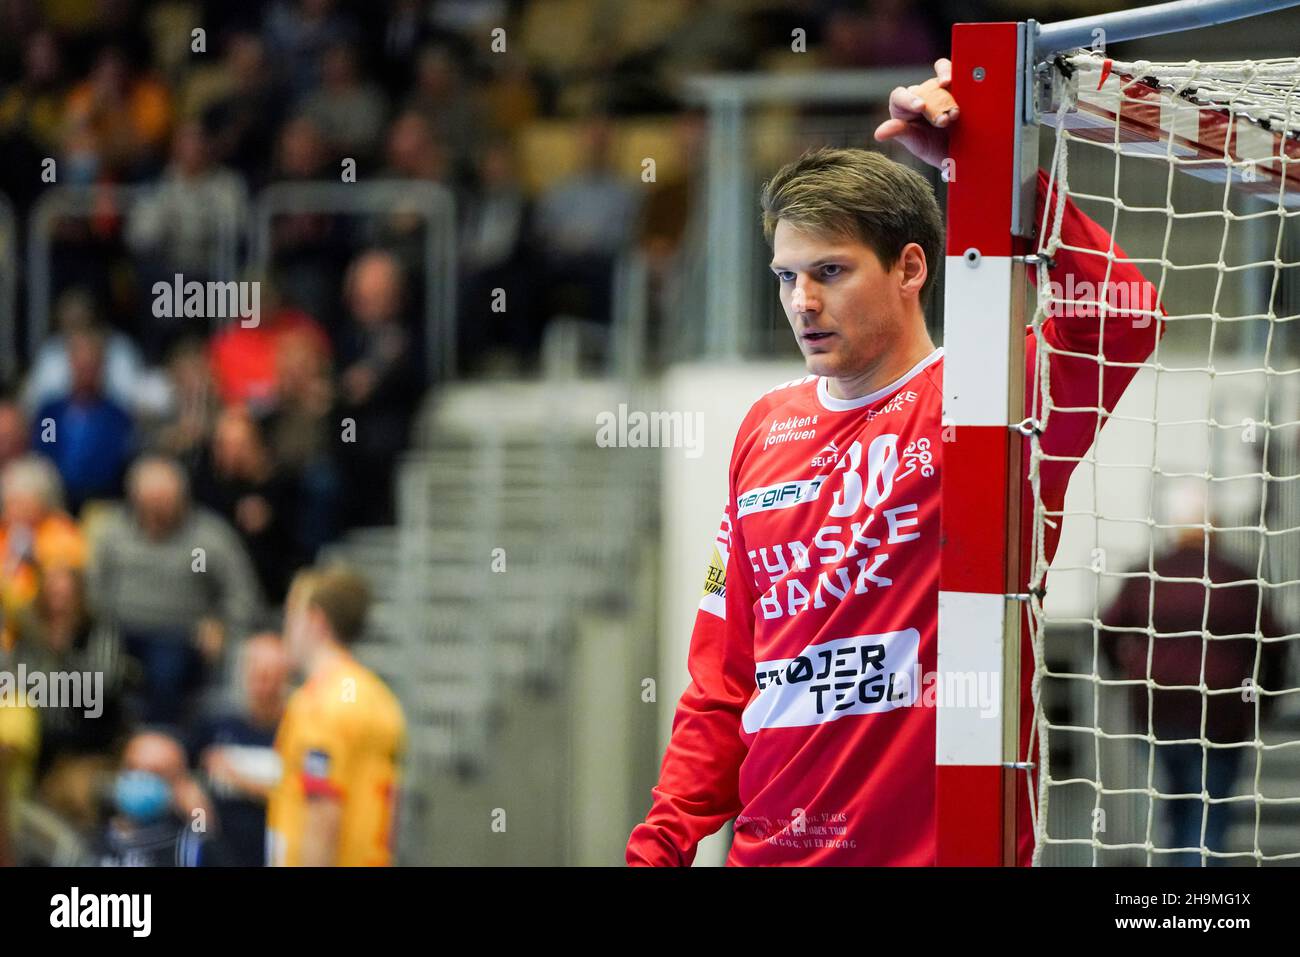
point(889, 368)
point(325, 657)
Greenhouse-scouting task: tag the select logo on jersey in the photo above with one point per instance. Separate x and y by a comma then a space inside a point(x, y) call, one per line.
point(827, 456)
point(781, 495)
point(865, 674)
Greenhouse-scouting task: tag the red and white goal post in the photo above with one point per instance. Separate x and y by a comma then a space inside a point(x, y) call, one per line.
point(1132, 143)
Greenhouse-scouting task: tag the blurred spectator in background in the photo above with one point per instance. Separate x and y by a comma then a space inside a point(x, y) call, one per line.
point(182, 429)
point(413, 154)
point(297, 33)
point(236, 752)
point(244, 357)
point(510, 97)
point(239, 480)
point(89, 437)
point(117, 122)
point(310, 249)
point(884, 33)
point(349, 111)
point(36, 535)
point(57, 635)
point(244, 113)
point(447, 104)
point(1177, 605)
point(156, 809)
point(19, 743)
point(496, 252)
point(395, 46)
point(584, 222)
point(182, 226)
point(31, 116)
point(304, 430)
point(664, 216)
point(665, 219)
point(14, 432)
point(379, 385)
point(174, 578)
point(343, 736)
point(713, 37)
point(51, 375)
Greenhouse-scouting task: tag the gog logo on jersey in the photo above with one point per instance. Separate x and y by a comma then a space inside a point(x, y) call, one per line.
point(840, 545)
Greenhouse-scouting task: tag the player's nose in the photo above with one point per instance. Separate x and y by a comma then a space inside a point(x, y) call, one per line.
point(804, 298)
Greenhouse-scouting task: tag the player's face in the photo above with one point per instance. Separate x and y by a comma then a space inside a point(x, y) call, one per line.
point(844, 307)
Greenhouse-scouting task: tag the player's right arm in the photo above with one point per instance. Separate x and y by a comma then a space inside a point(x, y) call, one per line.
point(322, 823)
point(698, 789)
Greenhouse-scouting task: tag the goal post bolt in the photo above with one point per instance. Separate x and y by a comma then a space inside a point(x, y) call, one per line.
point(1027, 426)
point(1034, 259)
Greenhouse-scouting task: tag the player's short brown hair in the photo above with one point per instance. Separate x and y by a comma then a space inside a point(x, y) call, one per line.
point(858, 195)
point(342, 595)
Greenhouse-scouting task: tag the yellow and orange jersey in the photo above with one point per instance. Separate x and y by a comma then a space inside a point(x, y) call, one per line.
point(342, 737)
point(57, 541)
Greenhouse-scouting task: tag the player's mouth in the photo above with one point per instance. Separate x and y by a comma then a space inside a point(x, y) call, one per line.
point(814, 338)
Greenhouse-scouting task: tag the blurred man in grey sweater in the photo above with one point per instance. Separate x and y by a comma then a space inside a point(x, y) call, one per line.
point(175, 580)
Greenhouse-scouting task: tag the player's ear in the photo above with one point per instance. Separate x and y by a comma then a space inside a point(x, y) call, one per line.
point(913, 269)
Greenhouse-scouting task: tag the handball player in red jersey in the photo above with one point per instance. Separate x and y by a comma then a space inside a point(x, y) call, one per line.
point(819, 617)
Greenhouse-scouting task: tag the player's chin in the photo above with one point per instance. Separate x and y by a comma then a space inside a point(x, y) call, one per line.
point(821, 363)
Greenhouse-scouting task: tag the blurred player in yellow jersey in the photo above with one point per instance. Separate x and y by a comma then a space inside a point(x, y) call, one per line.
point(341, 739)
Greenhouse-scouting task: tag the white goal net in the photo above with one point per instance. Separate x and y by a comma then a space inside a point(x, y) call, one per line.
point(1167, 699)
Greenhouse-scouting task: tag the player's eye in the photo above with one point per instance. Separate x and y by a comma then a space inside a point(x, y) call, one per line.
point(785, 275)
point(832, 269)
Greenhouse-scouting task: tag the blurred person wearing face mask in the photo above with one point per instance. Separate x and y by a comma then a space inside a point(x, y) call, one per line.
point(159, 814)
point(236, 752)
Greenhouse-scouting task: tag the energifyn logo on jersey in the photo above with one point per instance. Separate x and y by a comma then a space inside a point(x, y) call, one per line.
point(781, 495)
point(864, 674)
point(882, 466)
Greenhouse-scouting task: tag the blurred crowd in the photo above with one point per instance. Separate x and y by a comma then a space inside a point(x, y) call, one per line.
point(164, 478)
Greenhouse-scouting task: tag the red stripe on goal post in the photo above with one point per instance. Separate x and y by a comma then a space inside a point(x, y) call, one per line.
point(973, 796)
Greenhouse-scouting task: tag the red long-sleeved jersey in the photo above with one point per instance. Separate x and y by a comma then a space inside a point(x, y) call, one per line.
point(805, 719)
